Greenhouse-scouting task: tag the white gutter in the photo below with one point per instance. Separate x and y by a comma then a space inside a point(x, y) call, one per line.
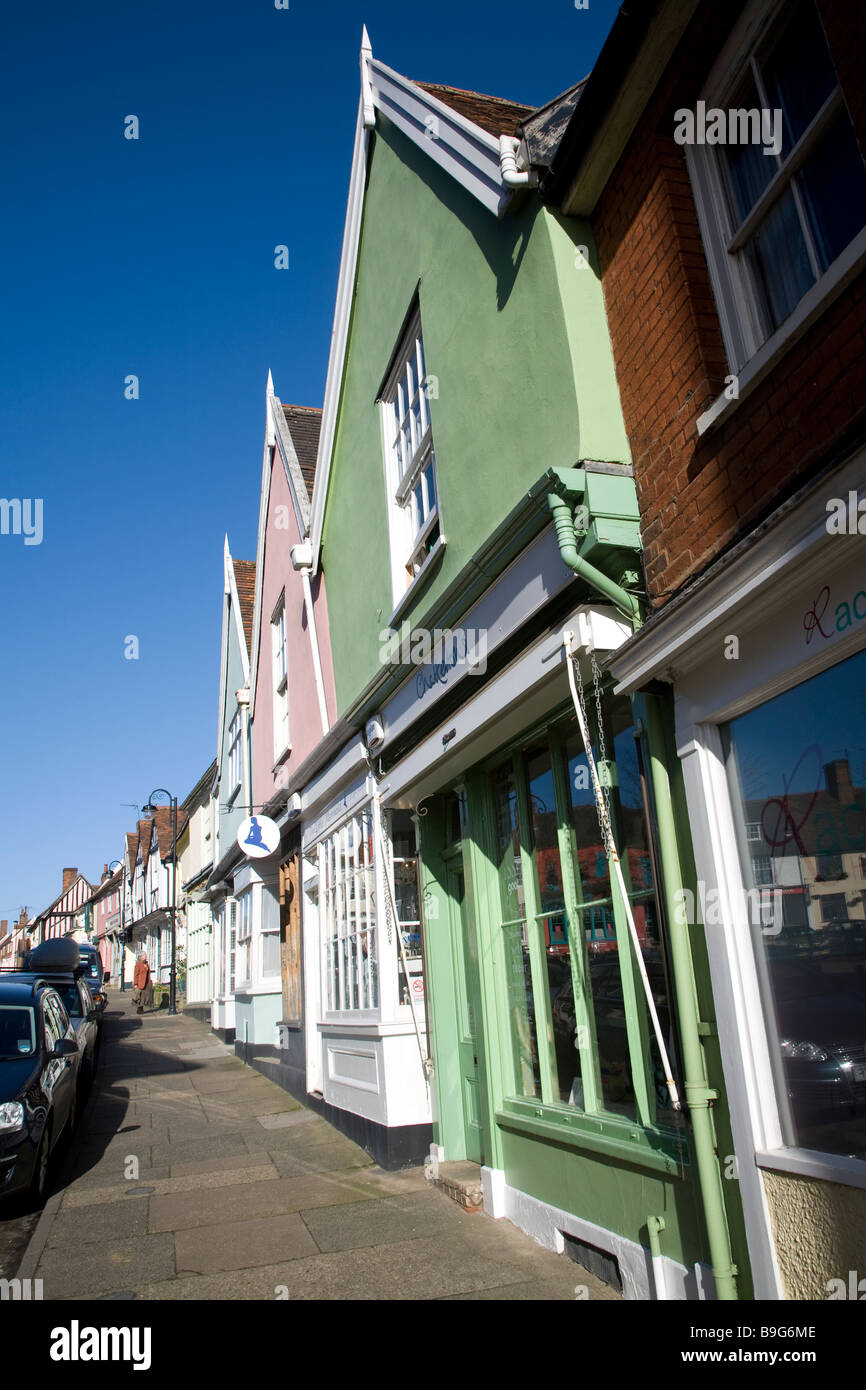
point(512, 177)
point(302, 561)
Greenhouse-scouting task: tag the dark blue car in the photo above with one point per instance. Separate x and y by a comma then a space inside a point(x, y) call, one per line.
point(39, 1067)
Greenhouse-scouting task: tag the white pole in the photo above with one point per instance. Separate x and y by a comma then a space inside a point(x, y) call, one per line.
point(568, 638)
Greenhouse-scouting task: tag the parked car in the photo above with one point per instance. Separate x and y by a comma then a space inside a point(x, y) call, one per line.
point(84, 1016)
point(95, 975)
point(39, 1072)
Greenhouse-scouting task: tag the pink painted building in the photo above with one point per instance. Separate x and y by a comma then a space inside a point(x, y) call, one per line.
point(292, 707)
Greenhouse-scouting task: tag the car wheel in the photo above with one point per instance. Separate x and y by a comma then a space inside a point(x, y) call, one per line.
point(39, 1181)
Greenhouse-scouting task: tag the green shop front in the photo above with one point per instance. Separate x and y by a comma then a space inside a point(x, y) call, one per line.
point(548, 1068)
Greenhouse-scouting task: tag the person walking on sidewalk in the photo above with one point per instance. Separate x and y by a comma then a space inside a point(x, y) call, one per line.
point(142, 982)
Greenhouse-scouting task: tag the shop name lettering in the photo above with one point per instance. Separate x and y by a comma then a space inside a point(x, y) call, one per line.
point(437, 652)
point(22, 516)
point(820, 619)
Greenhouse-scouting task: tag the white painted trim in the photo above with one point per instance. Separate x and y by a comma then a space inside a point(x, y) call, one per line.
point(739, 1011)
point(340, 331)
point(846, 267)
point(469, 154)
point(808, 1163)
point(546, 1224)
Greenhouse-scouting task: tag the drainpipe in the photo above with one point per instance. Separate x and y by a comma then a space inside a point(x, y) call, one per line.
point(565, 534)
point(654, 1225)
point(699, 1096)
point(302, 560)
point(513, 177)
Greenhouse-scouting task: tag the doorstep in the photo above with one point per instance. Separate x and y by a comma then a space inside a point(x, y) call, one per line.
point(461, 1181)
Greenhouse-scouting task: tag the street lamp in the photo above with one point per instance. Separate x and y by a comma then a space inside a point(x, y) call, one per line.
point(150, 809)
point(118, 864)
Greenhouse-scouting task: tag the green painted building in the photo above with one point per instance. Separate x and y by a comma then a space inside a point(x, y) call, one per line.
point(471, 971)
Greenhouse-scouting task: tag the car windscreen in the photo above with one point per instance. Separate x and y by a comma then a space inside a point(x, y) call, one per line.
point(17, 1031)
point(94, 966)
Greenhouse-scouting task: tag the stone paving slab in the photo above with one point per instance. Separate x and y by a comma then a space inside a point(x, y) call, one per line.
point(242, 1193)
point(242, 1244)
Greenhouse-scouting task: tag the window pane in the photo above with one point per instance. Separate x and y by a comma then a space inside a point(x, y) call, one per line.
point(797, 71)
point(780, 259)
point(804, 781)
point(833, 185)
point(555, 926)
point(749, 169)
point(517, 968)
point(611, 1040)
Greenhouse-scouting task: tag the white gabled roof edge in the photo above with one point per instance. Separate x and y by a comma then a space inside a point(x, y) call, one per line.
point(230, 591)
point(465, 151)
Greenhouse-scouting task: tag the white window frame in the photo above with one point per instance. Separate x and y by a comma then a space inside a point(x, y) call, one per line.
point(280, 680)
point(348, 922)
point(407, 441)
point(234, 758)
point(244, 932)
point(751, 345)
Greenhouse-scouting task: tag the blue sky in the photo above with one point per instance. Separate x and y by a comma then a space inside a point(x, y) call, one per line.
point(155, 257)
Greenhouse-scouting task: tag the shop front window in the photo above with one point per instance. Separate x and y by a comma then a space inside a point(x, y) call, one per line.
point(797, 767)
point(348, 901)
point(515, 933)
point(579, 1019)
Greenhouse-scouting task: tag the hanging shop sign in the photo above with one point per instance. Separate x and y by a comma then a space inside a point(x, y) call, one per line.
point(258, 837)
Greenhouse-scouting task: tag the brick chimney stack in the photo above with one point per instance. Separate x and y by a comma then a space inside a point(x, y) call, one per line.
point(69, 877)
point(839, 785)
point(4, 926)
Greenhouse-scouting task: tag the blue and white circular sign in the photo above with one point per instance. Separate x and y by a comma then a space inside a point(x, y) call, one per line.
point(258, 837)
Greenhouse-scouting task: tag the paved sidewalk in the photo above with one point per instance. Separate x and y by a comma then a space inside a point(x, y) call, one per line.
point(197, 1178)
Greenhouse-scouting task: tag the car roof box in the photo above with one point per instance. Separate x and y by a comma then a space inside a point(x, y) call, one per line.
point(51, 956)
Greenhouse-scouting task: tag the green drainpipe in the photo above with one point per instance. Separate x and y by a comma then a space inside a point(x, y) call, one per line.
point(564, 524)
point(699, 1096)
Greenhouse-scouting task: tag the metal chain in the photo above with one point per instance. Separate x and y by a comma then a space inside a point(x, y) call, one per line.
point(602, 751)
point(580, 695)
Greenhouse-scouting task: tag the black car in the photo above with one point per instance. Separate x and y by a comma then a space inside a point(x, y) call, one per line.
point(39, 1074)
point(95, 976)
point(83, 1015)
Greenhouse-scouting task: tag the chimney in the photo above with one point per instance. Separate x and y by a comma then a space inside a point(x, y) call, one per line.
point(838, 775)
point(4, 925)
point(69, 877)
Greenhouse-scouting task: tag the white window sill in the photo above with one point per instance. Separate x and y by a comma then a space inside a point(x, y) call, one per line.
point(813, 304)
point(418, 583)
point(809, 1163)
point(280, 758)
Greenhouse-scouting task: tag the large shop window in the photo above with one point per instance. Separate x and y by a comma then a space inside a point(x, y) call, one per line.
point(797, 769)
point(580, 1029)
point(347, 889)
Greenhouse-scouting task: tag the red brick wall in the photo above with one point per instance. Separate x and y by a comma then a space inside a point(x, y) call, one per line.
point(697, 496)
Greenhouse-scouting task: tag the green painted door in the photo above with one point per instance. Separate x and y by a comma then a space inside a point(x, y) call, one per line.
point(465, 953)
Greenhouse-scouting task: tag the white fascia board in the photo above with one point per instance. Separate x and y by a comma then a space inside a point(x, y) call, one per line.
point(465, 151)
point(291, 467)
point(224, 656)
point(264, 501)
point(239, 627)
point(340, 331)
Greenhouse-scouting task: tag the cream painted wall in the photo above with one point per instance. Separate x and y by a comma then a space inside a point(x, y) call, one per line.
point(819, 1230)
